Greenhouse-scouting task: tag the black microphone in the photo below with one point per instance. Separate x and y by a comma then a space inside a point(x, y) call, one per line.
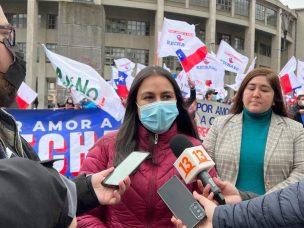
point(193, 163)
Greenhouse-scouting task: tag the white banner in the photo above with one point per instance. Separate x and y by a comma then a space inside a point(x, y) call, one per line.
point(300, 71)
point(85, 80)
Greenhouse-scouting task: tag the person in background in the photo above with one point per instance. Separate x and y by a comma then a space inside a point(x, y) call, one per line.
point(69, 104)
point(298, 109)
point(191, 101)
point(90, 193)
point(257, 147)
point(155, 112)
point(211, 95)
point(282, 208)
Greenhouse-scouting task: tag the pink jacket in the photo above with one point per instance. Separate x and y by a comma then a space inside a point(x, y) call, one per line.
point(140, 205)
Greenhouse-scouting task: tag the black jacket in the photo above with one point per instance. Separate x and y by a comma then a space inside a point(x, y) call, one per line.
point(282, 208)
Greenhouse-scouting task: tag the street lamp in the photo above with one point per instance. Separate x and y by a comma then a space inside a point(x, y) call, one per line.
point(287, 18)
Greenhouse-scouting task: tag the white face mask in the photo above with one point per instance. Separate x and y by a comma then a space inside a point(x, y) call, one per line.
point(302, 103)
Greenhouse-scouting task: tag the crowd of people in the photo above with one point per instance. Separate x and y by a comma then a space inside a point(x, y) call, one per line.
point(258, 149)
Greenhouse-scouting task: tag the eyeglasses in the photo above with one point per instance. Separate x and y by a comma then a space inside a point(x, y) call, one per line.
point(9, 33)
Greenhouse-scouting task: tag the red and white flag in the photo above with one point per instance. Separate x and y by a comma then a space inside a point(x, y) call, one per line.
point(174, 35)
point(231, 59)
point(25, 96)
point(288, 79)
point(192, 54)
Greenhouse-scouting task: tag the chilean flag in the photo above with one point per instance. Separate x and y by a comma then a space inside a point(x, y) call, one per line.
point(121, 85)
point(25, 96)
point(192, 54)
point(288, 79)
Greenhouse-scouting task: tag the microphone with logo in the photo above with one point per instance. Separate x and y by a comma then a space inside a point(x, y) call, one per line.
point(193, 162)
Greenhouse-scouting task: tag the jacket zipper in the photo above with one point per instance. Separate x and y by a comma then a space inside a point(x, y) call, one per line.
point(149, 215)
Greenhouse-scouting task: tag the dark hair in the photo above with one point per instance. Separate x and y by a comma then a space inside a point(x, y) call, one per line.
point(127, 137)
point(273, 79)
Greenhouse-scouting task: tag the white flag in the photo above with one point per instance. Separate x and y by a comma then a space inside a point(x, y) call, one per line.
point(84, 79)
point(209, 69)
point(231, 59)
point(124, 65)
point(174, 36)
point(300, 71)
point(182, 81)
point(240, 77)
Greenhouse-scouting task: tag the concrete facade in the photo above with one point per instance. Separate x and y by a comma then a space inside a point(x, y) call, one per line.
point(83, 32)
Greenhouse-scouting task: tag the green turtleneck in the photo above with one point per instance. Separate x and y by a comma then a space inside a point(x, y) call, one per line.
point(254, 137)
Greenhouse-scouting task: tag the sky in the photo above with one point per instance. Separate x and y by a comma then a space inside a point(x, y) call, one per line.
point(293, 4)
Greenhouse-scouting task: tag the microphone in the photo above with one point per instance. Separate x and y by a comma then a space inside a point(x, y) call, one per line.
point(193, 162)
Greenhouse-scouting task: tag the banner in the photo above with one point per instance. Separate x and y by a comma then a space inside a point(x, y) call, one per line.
point(85, 80)
point(66, 134)
point(206, 112)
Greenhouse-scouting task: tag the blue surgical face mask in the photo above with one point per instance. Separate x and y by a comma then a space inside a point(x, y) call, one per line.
point(214, 98)
point(158, 116)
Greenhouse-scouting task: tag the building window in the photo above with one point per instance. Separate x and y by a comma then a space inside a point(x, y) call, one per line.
point(51, 47)
point(238, 43)
point(51, 21)
point(242, 7)
point(259, 12)
point(223, 5)
point(265, 50)
point(172, 63)
point(22, 49)
point(39, 21)
point(22, 19)
point(139, 28)
point(135, 55)
point(225, 37)
point(203, 3)
point(271, 17)
point(138, 55)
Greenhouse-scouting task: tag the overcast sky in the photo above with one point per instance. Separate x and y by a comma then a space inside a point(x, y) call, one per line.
point(293, 4)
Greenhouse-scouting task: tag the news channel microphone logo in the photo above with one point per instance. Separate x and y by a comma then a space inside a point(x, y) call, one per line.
point(191, 162)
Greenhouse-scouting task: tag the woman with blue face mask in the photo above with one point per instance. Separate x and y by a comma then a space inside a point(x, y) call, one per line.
point(155, 113)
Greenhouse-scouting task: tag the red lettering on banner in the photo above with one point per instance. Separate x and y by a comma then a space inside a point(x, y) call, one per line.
point(180, 32)
point(202, 131)
point(186, 165)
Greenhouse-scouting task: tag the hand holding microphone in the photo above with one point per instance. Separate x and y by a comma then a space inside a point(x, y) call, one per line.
point(193, 163)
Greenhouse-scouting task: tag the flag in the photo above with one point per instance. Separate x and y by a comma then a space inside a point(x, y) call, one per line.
point(209, 69)
point(240, 77)
point(174, 35)
point(166, 68)
point(25, 96)
point(193, 53)
point(121, 85)
point(124, 65)
point(182, 82)
point(84, 79)
point(288, 79)
point(300, 71)
point(231, 59)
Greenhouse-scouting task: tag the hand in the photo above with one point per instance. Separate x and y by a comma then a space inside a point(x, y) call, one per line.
point(106, 195)
point(190, 83)
point(229, 191)
point(301, 111)
point(209, 207)
point(177, 222)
